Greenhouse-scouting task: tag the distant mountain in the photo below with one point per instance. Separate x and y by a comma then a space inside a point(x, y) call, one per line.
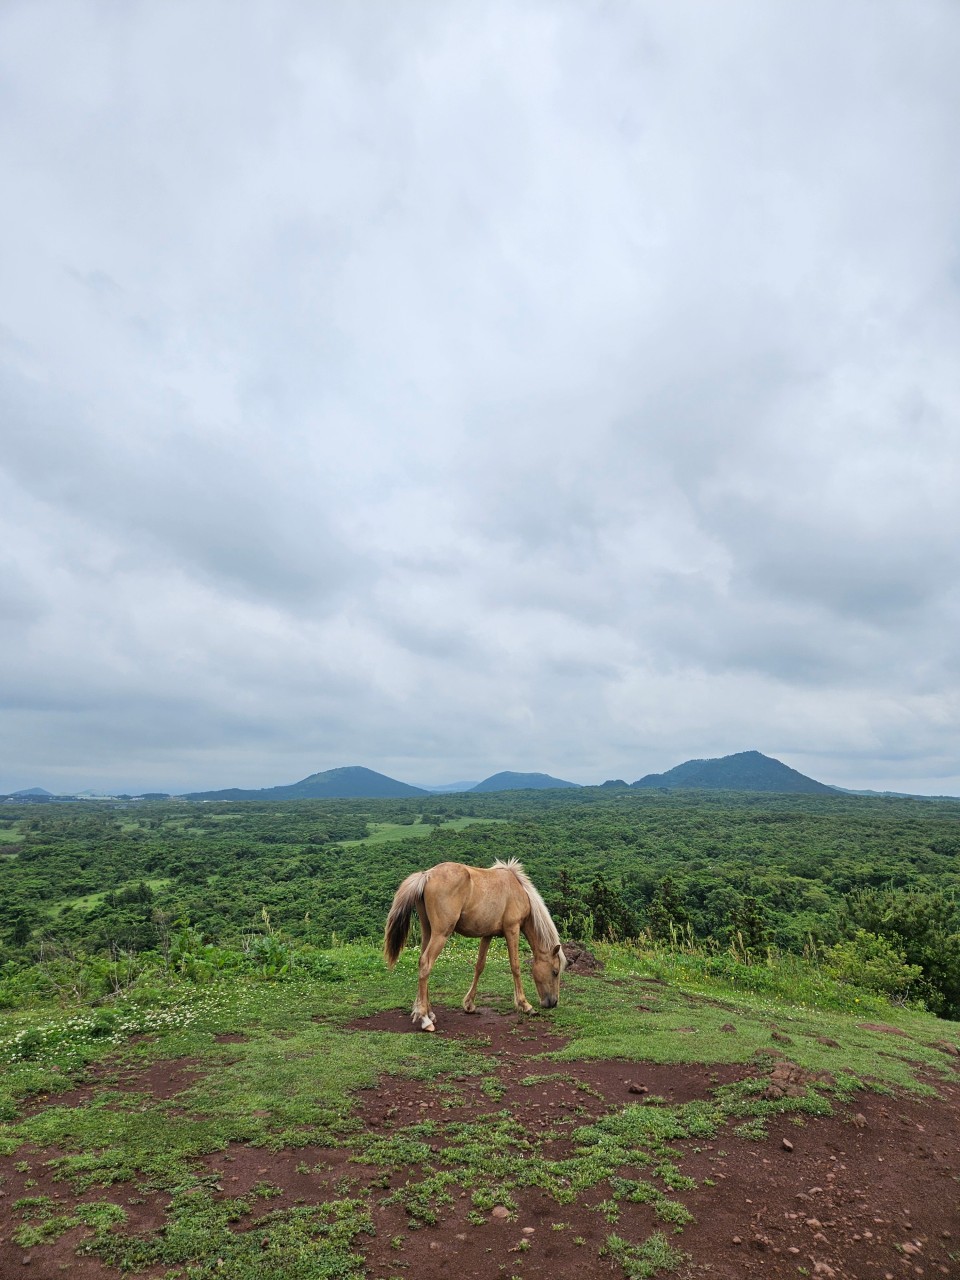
point(745, 771)
point(892, 795)
point(451, 786)
point(351, 783)
point(521, 782)
point(32, 791)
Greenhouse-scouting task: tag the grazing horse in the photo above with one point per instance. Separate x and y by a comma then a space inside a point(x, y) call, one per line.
point(476, 902)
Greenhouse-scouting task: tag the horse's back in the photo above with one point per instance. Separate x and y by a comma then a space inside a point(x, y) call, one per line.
point(475, 901)
point(449, 876)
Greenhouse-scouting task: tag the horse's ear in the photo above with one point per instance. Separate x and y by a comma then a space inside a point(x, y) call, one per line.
point(556, 950)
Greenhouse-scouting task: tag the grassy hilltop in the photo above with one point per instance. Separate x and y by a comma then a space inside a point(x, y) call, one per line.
point(257, 1124)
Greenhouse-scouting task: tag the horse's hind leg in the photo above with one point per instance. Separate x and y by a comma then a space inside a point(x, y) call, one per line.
point(468, 1004)
point(439, 911)
point(513, 950)
point(428, 955)
point(421, 1006)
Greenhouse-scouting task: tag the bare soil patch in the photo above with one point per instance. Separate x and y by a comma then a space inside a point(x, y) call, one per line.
point(869, 1192)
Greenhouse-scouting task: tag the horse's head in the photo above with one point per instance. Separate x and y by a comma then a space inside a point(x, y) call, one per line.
point(547, 968)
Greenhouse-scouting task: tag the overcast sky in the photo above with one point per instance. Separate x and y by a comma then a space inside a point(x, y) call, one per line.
point(451, 388)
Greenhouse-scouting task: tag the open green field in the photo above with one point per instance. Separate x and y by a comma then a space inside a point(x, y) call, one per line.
point(387, 832)
point(88, 901)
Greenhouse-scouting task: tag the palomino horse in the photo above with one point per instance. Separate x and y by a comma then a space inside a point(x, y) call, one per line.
point(476, 902)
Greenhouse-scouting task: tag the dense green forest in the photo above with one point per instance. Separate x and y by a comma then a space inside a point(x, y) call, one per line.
point(870, 883)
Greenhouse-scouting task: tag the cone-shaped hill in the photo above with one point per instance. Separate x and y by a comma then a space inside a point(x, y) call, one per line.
point(745, 771)
point(521, 782)
point(354, 782)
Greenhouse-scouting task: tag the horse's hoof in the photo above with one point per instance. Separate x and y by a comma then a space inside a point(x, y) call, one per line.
point(426, 1025)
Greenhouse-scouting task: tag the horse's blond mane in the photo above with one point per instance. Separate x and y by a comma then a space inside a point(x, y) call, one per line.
point(543, 925)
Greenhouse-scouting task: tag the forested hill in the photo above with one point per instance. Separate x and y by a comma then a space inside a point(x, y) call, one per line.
point(745, 771)
point(521, 782)
point(351, 783)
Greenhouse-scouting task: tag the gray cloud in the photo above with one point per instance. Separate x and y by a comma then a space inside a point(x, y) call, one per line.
point(537, 386)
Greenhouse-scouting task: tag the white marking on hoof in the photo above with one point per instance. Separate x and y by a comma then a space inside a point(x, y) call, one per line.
point(426, 1025)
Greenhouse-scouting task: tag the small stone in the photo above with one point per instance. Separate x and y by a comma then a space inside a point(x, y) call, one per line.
point(638, 1088)
point(814, 1222)
point(787, 1144)
point(528, 1231)
point(499, 1211)
point(729, 1028)
point(737, 1240)
point(860, 1120)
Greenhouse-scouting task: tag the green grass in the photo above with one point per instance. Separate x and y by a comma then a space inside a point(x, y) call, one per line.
point(314, 1242)
point(43, 1220)
point(686, 1016)
point(639, 1262)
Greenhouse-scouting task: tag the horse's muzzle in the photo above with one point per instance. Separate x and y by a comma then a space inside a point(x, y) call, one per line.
point(549, 1002)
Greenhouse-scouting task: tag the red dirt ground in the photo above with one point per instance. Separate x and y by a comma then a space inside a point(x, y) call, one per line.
point(870, 1193)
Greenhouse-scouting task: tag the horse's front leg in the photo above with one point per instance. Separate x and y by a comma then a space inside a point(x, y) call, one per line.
point(468, 999)
point(513, 950)
point(421, 1007)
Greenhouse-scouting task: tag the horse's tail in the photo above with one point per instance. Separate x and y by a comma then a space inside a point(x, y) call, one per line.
point(405, 902)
